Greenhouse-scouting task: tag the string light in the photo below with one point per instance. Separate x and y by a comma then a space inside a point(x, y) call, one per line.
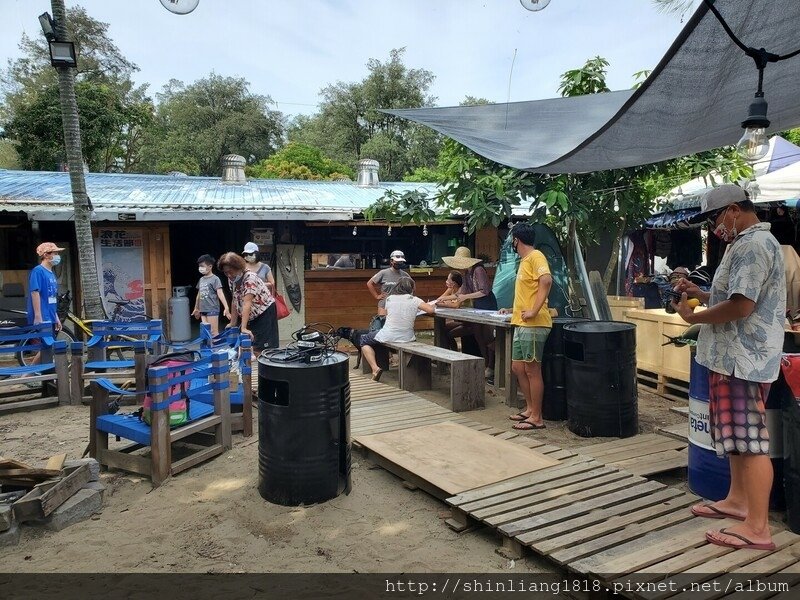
point(355, 230)
point(465, 229)
point(425, 230)
point(389, 231)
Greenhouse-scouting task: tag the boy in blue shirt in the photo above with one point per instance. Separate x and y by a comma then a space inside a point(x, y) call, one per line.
point(43, 290)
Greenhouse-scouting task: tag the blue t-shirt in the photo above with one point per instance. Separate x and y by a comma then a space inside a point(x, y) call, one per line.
point(43, 281)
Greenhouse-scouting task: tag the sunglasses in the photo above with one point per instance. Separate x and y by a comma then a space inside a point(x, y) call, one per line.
point(712, 220)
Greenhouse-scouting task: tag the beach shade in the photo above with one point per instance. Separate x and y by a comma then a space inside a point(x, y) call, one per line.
point(694, 100)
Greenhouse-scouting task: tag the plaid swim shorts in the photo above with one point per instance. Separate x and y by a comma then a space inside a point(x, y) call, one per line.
point(737, 415)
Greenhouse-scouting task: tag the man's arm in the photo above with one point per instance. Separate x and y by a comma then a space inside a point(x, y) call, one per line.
point(735, 308)
point(373, 289)
point(545, 283)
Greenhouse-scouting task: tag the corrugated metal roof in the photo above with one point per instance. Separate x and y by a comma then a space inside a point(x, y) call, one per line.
point(47, 196)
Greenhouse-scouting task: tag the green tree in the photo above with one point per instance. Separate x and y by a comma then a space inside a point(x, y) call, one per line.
point(298, 161)
point(197, 124)
point(350, 126)
point(9, 157)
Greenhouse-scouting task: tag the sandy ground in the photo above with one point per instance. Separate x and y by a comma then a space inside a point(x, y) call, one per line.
point(211, 518)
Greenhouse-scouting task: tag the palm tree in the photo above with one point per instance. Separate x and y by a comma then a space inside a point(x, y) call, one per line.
point(90, 284)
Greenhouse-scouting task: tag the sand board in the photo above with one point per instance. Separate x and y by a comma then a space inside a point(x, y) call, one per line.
point(454, 458)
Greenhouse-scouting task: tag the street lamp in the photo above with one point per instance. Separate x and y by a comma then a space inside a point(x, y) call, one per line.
point(62, 53)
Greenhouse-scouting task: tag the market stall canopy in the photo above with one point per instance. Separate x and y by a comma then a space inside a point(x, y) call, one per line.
point(694, 100)
point(783, 184)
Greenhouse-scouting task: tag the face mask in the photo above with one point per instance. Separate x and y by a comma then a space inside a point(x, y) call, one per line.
point(398, 264)
point(203, 270)
point(251, 258)
point(725, 234)
point(56, 260)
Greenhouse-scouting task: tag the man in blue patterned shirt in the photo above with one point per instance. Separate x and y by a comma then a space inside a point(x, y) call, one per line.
point(740, 343)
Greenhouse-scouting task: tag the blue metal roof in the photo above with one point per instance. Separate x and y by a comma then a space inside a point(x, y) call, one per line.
point(47, 196)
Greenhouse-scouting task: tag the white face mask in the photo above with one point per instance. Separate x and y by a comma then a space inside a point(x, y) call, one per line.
point(203, 270)
point(725, 234)
point(56, 260)
point(251, 258)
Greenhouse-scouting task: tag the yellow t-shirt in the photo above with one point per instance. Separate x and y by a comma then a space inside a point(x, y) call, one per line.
point(531, 268)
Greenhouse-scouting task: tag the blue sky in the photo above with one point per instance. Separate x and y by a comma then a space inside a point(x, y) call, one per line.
point(290, 49)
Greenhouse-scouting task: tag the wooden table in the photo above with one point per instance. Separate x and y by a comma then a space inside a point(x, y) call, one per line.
point(504, 335)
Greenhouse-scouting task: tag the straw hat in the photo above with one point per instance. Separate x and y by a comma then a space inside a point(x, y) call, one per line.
point(462, 259)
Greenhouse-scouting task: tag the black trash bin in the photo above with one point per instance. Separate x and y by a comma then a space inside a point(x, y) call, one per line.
point(602, 398)
point(303, 429)
point(554, 371)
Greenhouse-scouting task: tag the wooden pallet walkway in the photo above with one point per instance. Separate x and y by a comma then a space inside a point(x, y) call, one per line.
point(677, 432)
point(646, 454)
point(616, 527)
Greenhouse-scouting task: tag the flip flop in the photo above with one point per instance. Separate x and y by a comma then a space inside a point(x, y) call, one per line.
point(527, 426)
point(518, 417)
point(377, 376)
point(714, 514)
point(747, 545)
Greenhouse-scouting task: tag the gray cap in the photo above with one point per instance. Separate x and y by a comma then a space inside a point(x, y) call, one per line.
point(719, 197)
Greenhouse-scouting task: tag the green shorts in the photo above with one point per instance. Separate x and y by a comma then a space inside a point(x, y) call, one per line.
point(528, 343)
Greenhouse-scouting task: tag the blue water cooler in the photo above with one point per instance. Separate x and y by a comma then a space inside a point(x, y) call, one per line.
point(709, 475)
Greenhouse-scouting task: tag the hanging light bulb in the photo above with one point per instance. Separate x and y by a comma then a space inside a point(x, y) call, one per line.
point(754, 145)
point(425, 230)
point(616, 205)
point(389, 231)
point(355, 229)
point(534, 5)
point(465, 229)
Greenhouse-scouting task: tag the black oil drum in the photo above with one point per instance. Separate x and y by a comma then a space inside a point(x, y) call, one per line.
point(303, 429)
point(554, 371)
point(601, 379)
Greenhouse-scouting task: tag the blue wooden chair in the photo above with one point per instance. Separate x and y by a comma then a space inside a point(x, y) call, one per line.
point(53, 366)
point(133, 344)
point(204, 419)
point(241, 389)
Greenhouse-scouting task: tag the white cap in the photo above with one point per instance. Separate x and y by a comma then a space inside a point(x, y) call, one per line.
point(397, 255)
point(250, 248)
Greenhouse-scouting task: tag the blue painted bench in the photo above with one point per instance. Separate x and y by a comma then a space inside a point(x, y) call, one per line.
point(241, 391)
point(53, 366)
point(141, 339)
point(212, 371)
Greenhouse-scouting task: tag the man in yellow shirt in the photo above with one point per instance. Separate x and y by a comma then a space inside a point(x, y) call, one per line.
point(533, 323)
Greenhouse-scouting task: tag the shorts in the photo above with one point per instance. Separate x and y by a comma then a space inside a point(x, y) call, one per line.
point(211, 313)
point(737, 417)
point(368, 339)
point(528, 343)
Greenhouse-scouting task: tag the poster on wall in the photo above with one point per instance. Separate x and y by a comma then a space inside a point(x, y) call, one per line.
point(120, 254)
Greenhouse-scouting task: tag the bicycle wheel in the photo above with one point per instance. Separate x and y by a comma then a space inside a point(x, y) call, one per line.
point(25, 358)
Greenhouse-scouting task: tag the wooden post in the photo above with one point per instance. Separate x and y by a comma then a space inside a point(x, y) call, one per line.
point(76, 372)
point(247, 386)
point(160, 446)
point(62, 372)
point(98, 440)
point(502, 361)
point(467, 388)
point(222, 400)
point(140, 366)
point(415, 372)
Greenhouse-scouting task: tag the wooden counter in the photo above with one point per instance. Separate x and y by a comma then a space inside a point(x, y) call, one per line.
point(340, 296)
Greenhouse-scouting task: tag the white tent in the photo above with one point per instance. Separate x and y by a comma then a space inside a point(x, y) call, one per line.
point(783, 184)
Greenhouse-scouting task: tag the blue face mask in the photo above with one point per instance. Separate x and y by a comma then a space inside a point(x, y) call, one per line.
point(56, 260)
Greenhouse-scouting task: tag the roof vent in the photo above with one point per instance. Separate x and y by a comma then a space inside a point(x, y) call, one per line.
point(233, 169)
point(367, 173)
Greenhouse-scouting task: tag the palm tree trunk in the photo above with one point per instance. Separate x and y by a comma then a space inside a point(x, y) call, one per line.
point(87, 265)
point(614, 258)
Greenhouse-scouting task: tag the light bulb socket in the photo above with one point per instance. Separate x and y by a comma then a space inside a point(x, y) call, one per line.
point(757, 114)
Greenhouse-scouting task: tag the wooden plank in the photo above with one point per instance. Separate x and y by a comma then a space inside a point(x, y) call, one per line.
point(393, 411)
point(654, 447)
point(628, 533)
point(410, 423)
point(514, 483)
point(23, 405)
point(648, 549)
point(453, 457)
point(127, 462)
point(29, 473)
point(64, 489)
point(194, 427)
point(56, 461)
point(10, 463)
point(555, 533)
point(197, 458)
point(534, 489)
point(665, 462)
point(681, 410)
point(678, 432)
point(516, 522)
point(618, 445)
point(790, 575)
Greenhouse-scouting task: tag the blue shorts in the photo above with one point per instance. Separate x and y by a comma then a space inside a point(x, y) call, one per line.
point(213, 313)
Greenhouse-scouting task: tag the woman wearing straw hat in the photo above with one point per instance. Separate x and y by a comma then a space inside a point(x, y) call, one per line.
point(476, 287)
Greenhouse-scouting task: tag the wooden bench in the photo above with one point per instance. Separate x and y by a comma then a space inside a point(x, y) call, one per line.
point(467, 387)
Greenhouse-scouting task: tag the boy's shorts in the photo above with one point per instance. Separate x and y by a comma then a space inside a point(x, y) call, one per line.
point(213, 313)
point(528, 343)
